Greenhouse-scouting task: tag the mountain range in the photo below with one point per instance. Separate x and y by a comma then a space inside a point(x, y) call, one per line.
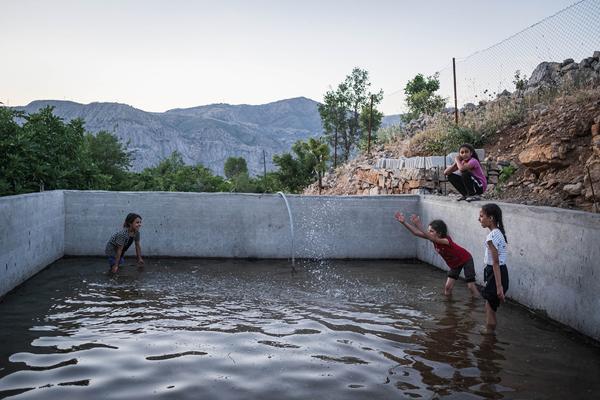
point(206, 134)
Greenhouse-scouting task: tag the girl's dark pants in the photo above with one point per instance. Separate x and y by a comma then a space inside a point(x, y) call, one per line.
point(466, 183)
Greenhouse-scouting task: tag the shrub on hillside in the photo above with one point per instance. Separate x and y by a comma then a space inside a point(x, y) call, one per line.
point(441, 138)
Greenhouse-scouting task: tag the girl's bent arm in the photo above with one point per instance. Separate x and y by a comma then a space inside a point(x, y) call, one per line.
point(450, 169)
point(467, 166)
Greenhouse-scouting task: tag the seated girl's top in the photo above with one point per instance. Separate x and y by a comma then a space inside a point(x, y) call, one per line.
point(499, 242)
point(477, 172)
point(120, 238)
point(453, 254)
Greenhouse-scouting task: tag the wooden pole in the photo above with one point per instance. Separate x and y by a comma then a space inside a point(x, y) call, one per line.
point(370, 125)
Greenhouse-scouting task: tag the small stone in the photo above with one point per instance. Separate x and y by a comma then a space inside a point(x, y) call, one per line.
point(573, 190)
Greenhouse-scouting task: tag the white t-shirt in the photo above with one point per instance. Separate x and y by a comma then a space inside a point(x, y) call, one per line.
point(497, 239)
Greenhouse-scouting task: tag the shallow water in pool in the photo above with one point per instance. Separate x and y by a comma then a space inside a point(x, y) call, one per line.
point(238, 329)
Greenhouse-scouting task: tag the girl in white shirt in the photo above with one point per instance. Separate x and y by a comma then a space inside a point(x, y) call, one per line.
point(490, 217)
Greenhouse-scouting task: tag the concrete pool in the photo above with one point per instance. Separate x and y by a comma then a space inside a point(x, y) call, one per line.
point(239, 329)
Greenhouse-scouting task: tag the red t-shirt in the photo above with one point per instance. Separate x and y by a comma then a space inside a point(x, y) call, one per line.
point(453, 254)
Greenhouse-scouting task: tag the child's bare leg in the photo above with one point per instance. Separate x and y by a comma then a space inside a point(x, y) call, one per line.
point(114, 269)
point(490, 316)
point(448, 287)
point(473, 289)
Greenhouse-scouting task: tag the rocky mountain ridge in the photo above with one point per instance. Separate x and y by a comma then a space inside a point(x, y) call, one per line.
point(207, 134)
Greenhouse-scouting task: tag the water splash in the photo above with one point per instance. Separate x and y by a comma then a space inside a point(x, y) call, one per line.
point(289, 210)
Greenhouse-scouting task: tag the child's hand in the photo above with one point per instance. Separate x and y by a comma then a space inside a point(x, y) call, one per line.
point(500, 293)
point(114, 269)
point(400, 217)
point(415, 219)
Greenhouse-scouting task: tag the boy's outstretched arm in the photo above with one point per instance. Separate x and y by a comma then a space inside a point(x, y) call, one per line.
point(413, 229)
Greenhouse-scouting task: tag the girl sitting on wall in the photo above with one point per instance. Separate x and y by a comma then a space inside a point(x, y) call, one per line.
point(466, 174)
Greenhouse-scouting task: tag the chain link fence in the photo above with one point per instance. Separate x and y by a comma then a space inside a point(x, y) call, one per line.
point(573, 32)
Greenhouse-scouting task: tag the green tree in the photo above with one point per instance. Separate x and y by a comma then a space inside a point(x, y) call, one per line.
point(235, 166)
point(172, 175)
point(54, 152)
point(46, 153)
point(421, 98)
point(269, 183)
point(319, 152)
point(374, 118)
point(340, 112)
point(109, 158)
point(12, 161)
point(295, 173)
point(333, 117)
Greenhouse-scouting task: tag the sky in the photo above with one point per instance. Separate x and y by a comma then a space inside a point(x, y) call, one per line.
point(159, 55)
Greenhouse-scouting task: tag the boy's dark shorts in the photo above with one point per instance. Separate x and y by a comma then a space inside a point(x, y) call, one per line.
point(469, 268)
point(489, 290)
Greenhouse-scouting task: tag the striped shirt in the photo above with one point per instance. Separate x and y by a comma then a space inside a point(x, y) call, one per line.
point(120, 239)
point(499, 242)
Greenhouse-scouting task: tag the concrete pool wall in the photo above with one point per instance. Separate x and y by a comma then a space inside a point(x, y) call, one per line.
point(554, 254)
point(32, 235)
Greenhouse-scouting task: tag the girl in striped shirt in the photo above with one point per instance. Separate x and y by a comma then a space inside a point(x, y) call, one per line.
point(495, 273)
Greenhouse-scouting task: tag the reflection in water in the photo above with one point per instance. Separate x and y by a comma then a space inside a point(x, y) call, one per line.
point(489, 357)
point(242, 330)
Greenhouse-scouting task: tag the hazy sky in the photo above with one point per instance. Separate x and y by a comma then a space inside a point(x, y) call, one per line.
point(157, 55)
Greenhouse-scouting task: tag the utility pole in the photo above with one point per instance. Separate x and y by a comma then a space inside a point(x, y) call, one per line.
point(264, 164)
point(455, 101)
point(370, 125)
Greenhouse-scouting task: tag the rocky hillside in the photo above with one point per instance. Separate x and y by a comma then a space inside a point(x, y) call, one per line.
point(550, 153)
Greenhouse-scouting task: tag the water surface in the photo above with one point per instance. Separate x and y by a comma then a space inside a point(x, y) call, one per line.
point(229, 329)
